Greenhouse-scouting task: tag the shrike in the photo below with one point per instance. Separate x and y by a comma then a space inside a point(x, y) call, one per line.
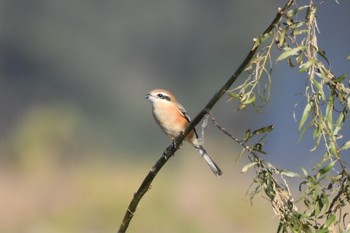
point(173, 120)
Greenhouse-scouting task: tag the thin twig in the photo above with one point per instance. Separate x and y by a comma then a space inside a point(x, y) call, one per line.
point(240, 142)
point(280, 196)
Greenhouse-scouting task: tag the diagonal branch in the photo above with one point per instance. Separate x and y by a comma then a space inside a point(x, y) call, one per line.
point(171, 149)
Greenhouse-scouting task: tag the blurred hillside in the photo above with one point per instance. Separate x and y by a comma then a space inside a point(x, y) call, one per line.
point(77, 136)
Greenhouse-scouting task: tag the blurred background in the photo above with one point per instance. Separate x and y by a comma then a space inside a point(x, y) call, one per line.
point(77, 136)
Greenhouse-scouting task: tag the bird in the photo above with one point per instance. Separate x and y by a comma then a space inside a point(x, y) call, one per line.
point(173, 119)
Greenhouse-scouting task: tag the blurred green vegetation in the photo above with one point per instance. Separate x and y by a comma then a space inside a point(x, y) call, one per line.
point(77, 138)
point(92, 197)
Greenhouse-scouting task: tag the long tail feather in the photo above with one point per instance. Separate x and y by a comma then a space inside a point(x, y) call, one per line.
point(217, 171)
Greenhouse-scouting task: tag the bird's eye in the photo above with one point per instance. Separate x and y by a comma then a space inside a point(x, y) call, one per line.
point(163, 97)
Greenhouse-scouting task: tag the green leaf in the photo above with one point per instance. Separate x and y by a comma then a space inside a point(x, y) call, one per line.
point(329, 221)
point(319, 87)
point(297, 32)
point(249, 165)
point(321, 202)
point(346, 145)
point(322, 231)
point(305, 115)
point(326, 168)
point(339, 123)
point(266, 129)
point(264, 37)
point(316, 132)
point(258, 148)
point(329, 112)
point(281, 37)
point(304, 172)
point(340, 78)
point(306, 65)
point(234, 95)
point(293, 12)
point(290, 52)
point(258, 41)
point(248, 100)
point(322, 53)
point(248, 135)
point(242, 107)
point(333, 149)
point(290, 174)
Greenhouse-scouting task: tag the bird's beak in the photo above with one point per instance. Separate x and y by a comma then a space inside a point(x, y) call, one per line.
point(147, 96)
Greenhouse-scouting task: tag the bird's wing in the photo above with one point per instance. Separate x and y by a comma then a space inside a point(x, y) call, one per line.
point(184, 113)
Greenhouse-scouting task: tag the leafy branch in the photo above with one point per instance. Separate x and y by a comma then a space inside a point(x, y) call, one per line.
point(325, 190)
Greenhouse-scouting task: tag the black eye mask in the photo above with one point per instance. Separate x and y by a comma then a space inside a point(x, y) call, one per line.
point(164, 97)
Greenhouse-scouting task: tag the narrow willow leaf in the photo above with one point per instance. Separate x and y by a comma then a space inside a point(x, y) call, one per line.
point(234, 95)
point(258, 148)
point(249, 165)
point(248, 135)
point(333, 149)
point(340, 78)
point(322, 231)
point(324, 200)
point(264, 37)
point(339, 123)
point(302, 132)
point(266, 129)
point(293, 12)
point(306, 65)
point(317, 143)
point(305, 115)
point(326, 168)
point(316, 132)
point(314, 148)
point(299, 31)
point(258, 41)
point(329, 112)
point(346, 145)
point(304, 172)
point(290, 174)
point(281, 38)
point(290, 52)
point(329, 221)
point(249, 100)
point(242, 107)
point(322, 53)
point(319, 87)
